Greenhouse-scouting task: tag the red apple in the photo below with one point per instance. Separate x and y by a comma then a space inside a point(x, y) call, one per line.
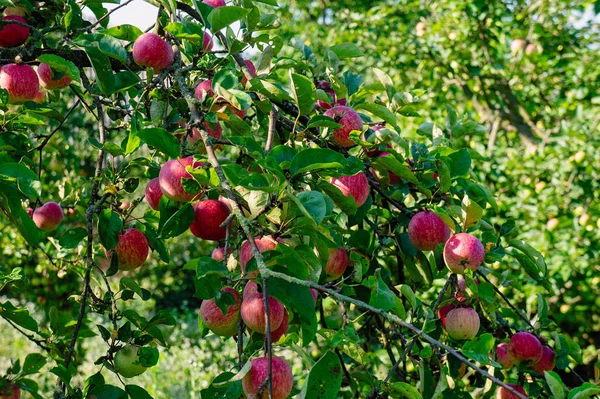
point(524, 346)
point(48, 216)
point(356, 186)
point(132, 249)
point(502, 355)
point(426, 230)
point(21, 82)
point(265, 243)
point(336, 263)
point(503, 393)
point(151, 51)
point(517, 45)
point(204, 90)
point(221, 324)
point(443, 312)
point(253, 313)
point(326, 87)
point(250, 288)
point(218, 254)
point(546, 363)
point(463, 251)
point(283, 328)
point(207, 222)
point(283, 379)
point(170, 176)
point(153, 194)
point(252, 70)
point(213, 130)
point(12, 392)
point(214, 3)
point(46, 78)
point(13, 35)
point(462, 323)
point(207, 42)
point(462, 289)
point(39, 97)
point(349, 120)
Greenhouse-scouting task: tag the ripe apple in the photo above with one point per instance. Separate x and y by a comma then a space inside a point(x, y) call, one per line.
point(252, 70)
point(21, 82)
point(517, 45)
point(349, 120)
point(207, 222)
point(48, 216)
point(502, 355)
point(11, 392)
point(153, 194)
point(207, 42)
point(213, 130)
point(546, 363)
point(462, 289)
point(214, 3)
point(336, 263)
point(265, 243)
point(13, 35)
point(132, 249)
point(218, 254)
point(253, 313)
point(443, 312)
point(326, 87)
point(426, 230)
point(221, 324)
point(463, 251)
point(250, 288)
point(171, 175)
point(462, 323)
point(282, 383)
point(503, 393)
point(356, 186)
point(283, 328)
point(45, 73)
point(151, 51)
point(204, 90)
point(524, 346)
point(127, 361)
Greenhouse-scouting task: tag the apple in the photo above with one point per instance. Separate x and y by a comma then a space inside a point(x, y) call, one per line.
point(524, 346)
point(204, 90)
point(151, 51)
point(283, 328)
point(503, 393)
point(356, 186)
point(462, 323)
point(13, 35)
point(21, 82)
point(443, 312)
point(282, 383)
point(224, 324)
point(552, 224)
point(531, 49)
point(326, 87)
point(250, 288)
point(171, 175)
point(426, 230)
point(336, 263)
point(265, 243)
point(517, 45)
point(45, 74)
point(252, 70)
point(153, 194)
point(12, 392)
point(218, 254)
point(207, 222)
point(394, 179)
point(207, 42)
point(214, 3)
point(253, 312)
point(39, 97)
point(48, 216)
point(420, 28)
point(502, 355)
point(213, 130)
point(349, 120)
point(546, 363)
point(463, 251)
point(127, 361)
point(462, 289)
point(132, 249)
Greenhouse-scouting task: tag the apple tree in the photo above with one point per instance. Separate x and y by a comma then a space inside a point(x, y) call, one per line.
point(321, 233)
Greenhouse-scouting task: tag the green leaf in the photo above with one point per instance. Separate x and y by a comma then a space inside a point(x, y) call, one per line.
point(555, 383)
point(207, 266)
point(161, 140)
point(110, 225)
point(127, 283)
point(396, 167)
point(148, 356)
point(61, 65)
point(586, 390)
point(224, 16)
point(108, 392)
point(324, 379)
point(405, 390)
point(379, 111)
point(103, 69)
point(479, 348)
point(10, 204)
point(71, 238)
point(312, 159)
point(33, 363)
point(137, 392)
point(18, 316)
point(226, 78)
point(304, 93)
point(27, 181)
point(65, 375)
point(471, 212)
point(381, 296)
point(531, 253)
point(460, 162)
point(345, 202)
point(178, 222)
point(124, 32)
point(346, 50)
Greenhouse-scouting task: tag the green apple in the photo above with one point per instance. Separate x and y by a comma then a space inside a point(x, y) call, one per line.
point(127, 361)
